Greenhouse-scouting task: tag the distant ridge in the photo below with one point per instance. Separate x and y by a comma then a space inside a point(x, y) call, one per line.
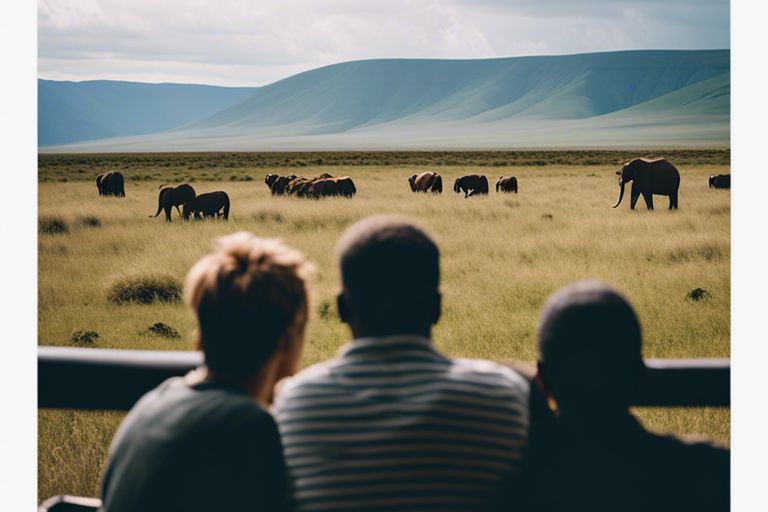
point(79, 111)
point(631, 98)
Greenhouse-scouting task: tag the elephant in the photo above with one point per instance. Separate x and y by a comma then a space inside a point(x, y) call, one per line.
point(426, 182)
point(507, 184)
point(720, 181)
point(173, 196)
point(471, 185)
point(279, 184)
point(111, 184)
point(209, 204)
point(648, 177)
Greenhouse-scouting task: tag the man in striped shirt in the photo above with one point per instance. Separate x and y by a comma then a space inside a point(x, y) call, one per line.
point(392, 424)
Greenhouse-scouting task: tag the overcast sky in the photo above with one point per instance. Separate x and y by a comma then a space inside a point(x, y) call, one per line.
point(255, 42)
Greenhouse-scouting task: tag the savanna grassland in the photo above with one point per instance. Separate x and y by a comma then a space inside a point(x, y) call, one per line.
point(502, 255)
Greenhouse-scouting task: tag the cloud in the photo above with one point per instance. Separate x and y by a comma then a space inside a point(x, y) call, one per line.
point(241, 42)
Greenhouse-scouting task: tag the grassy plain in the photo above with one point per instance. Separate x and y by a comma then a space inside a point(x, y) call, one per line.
point(502, 255)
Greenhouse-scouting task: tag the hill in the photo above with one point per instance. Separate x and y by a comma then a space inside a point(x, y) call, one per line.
point(631, 98)
point(79, 111)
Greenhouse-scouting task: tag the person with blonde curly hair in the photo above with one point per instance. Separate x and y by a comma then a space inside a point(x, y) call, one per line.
point(205, 441)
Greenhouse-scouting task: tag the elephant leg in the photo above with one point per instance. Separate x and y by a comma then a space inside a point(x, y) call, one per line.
point(673, 200)
point(648, 200)
point(177, 209)
point(167, 210)
point(634, 196)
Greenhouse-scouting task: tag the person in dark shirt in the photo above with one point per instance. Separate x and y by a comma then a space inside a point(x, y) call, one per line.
point(586, 450)
point(205, 441)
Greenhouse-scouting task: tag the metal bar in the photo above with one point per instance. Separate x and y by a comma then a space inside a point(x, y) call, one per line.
point(83, 378)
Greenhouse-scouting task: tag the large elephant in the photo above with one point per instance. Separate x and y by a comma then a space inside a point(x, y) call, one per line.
point(720, 181)
point(426, 182)
point(471, 185)
point(649, 177)
point(210, 204)
point(111, 184)
point(173, 196)
point(507, 184)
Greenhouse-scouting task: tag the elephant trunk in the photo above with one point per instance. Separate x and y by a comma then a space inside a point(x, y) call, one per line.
point(621, 194)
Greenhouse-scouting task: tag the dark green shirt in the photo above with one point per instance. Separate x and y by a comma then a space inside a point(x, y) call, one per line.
point(195, 447)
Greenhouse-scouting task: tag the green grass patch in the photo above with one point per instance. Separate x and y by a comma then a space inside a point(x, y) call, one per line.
point(144, 290)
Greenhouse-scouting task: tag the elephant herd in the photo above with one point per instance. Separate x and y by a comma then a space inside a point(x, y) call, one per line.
point(649, 177)
point(471, 184)
point(324, 185)
point(208, 205)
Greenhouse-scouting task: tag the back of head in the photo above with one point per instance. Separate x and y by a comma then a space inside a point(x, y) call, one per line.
point(590, 348)
point(390, 272)
point(246, 294)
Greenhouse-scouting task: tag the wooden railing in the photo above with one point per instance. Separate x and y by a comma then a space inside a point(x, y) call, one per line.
point(89, 379)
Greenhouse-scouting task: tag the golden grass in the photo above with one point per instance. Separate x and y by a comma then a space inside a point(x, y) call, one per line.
point(502, 255)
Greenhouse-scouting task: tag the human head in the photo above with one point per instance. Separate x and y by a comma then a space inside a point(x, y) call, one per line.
point(590, 350)
point(390, 273)
point(250, 296)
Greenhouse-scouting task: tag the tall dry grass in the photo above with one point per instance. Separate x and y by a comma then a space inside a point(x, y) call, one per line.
point(502, 255)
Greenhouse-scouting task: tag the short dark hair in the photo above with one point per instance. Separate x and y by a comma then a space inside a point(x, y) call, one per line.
point(588, 323)
point(390, 270)
point(246, 294)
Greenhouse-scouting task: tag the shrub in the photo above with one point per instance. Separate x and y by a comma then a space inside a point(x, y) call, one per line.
point(325, 311)
point(83, 337)
point(145, 290)
point(52, 226)
point(89, 221)
point(698, 294)
point(164, 330)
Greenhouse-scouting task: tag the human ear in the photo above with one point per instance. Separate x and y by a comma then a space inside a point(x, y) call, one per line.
point(540, 380)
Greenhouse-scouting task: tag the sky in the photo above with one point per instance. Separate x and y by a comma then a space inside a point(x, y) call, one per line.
point(256, 42)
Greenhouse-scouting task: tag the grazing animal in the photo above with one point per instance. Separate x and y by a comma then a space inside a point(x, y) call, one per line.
point(210, 204)
point(648, 177)
point(280, 184)
point(471, 185)
point(111, 184)
point(720, 181)
point(173, 196)
point(426, 182)
point(305, 187)
point(507, 184)
point(269, 179)
point(327, 187)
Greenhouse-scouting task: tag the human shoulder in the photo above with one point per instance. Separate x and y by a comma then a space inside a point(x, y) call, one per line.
point(312, 374)
point(493, 373)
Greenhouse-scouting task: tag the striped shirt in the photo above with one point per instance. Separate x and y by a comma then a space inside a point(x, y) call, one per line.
point(391, 424)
